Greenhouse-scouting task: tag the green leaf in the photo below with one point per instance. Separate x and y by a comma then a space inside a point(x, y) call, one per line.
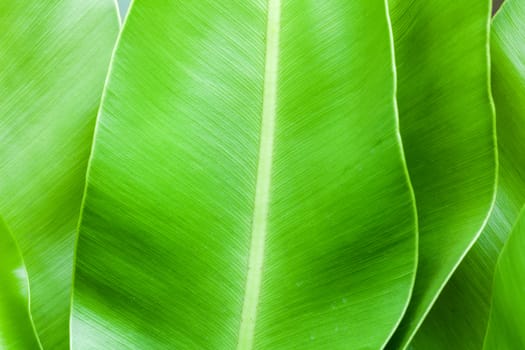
point(247, 186)
point(54, 57)
point(446, 120)
point(469, 292)
point(506, 328)
point(16, 327)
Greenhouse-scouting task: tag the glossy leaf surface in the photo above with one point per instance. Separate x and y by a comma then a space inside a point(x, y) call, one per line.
point(506, 328)
point(16, 328)
point(446, 121)
point(53, 58)
point(469, 291)
point(247, 187)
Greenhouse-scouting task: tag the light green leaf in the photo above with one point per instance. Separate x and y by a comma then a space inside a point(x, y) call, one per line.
point(247, 187)
point(506, 328)
point(469, 292)
point(53, 58)
point(16, 327)
point(446, 120)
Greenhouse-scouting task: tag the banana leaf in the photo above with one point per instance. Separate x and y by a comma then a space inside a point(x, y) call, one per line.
point(469, 292)
point(16, 325)
point(506, 329)
point(446, 120)
point(53, 58)
point(247, 187)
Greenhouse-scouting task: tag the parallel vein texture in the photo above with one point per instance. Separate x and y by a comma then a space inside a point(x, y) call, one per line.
point(53, 60)
point(16, 328)
point(446, 119)
point(469, 291)
point(506, 329)
point(264, 172)
point(247, 187)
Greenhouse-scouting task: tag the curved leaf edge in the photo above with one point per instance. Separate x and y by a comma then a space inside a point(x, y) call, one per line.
point(500, 8)
point(407, 175)
point(120, 18)
point(121, 24)
point(408, 339)
point(516, 223)
point(18, 252)
point(493, 270)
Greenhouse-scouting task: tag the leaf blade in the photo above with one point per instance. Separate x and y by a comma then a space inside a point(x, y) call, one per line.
point(187, 186)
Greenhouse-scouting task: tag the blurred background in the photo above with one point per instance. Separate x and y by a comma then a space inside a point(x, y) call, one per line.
point(495, 5)
point(123, 6)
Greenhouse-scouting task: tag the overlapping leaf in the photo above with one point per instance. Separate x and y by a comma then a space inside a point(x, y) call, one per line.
point(53, 60)
point(506, 329)
point(247, 163)
point(469, 291)
point(446, 120)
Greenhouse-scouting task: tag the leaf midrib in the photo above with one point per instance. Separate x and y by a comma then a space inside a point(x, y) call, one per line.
point(264, 169)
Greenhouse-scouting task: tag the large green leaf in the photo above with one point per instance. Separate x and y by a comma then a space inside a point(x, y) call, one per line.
point(247, 186)
point(469, 292)
point(506, 329)
point(16, 327)
point(53, 58)
point(446, 120)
